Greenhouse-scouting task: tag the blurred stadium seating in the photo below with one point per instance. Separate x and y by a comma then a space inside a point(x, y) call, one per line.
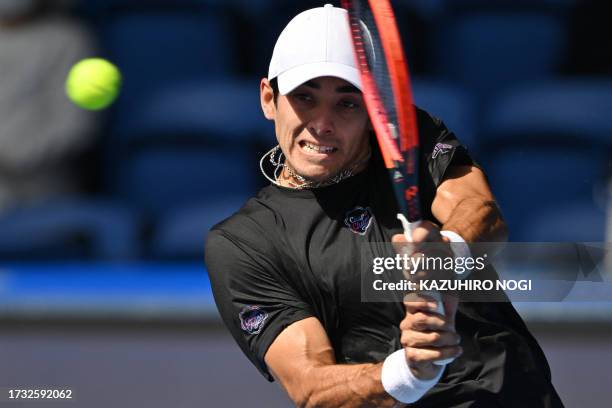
point(547, 146)
point(70, 229)
point(576, 222)
point(180, 234)
point(189, 107)
point(197, 110)
point(156, 48)
point(161, 179)
point(452, 104)
point(489, 52)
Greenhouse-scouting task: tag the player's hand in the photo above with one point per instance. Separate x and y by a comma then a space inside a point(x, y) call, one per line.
point(426, 233)
point(428, 336)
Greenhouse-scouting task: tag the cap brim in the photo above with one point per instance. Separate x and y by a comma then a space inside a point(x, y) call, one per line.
point(294, 77)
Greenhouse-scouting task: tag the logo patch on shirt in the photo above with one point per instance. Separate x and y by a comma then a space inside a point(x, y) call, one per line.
point(440, 149)
point(358, 220)
point(252, 319)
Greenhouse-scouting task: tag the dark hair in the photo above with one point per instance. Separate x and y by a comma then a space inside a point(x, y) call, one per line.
point(274, 85)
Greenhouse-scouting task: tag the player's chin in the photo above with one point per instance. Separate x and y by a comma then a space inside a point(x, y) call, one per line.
point(318, 172)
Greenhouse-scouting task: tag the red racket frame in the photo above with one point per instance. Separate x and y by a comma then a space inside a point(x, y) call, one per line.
point(400, 156)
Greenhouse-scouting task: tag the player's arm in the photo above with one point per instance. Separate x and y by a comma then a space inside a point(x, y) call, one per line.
point(465, 205)
point(302, 359)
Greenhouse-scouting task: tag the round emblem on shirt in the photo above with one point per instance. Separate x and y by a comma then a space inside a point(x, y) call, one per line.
point(252, 319)
point(358, 220)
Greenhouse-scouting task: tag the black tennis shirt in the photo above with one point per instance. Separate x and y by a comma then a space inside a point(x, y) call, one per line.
point(291, 254)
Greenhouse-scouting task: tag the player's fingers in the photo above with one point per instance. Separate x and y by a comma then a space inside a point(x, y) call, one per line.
point(414, 302)
point(427, 231)
point(426, 321)
point(399, 238)
point(419, 355)
point(430, 339)
point(401, 245)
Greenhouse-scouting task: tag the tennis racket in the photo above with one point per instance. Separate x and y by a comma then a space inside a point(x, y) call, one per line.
point(388, 97)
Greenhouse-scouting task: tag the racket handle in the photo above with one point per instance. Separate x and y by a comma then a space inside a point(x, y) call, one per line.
point(408, 226)
point(408, 229)
point(439, 309)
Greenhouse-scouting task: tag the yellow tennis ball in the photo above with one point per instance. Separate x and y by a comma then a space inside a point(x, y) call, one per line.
point(93, 83)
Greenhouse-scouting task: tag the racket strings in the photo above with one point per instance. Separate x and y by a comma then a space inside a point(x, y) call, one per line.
point(374, 58)
point(371, 61)
point(386, 88)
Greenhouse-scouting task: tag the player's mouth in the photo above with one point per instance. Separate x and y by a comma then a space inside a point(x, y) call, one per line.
point(312, 148)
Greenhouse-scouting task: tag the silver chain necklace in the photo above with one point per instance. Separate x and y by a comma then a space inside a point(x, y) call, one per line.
point(305, 183)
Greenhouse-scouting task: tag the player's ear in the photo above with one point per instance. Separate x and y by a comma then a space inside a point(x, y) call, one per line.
point(266, 95)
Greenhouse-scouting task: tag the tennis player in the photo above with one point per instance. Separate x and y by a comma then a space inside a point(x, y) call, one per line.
point(285, 268)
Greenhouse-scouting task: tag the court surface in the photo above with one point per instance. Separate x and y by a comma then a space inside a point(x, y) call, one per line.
point(200, 366)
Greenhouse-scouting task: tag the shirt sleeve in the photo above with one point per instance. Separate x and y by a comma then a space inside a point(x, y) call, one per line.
point(440, 147)
point(253, 298)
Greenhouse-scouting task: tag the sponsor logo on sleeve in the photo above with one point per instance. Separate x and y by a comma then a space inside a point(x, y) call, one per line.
point(252, 319)
point(441, 149)
point(358, 220)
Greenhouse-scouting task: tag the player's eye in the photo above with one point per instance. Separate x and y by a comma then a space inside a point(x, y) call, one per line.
point(302, 97)
point(348, 104)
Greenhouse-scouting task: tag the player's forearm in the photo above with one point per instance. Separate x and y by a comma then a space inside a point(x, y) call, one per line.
point(343, 385)
point(477, 220)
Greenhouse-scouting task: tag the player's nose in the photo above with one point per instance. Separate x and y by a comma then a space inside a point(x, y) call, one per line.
point(322, 123)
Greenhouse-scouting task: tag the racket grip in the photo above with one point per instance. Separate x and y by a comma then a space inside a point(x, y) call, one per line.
point(408, 229)
point(439, 309)
point(408, 226)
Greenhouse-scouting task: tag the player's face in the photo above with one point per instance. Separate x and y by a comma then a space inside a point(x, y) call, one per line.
point(322, 127)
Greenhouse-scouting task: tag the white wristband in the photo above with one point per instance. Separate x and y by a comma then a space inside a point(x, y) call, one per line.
point(459, 247)
point(399, 382)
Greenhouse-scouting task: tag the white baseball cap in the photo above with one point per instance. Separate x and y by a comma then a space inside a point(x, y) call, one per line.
point(315, 43)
